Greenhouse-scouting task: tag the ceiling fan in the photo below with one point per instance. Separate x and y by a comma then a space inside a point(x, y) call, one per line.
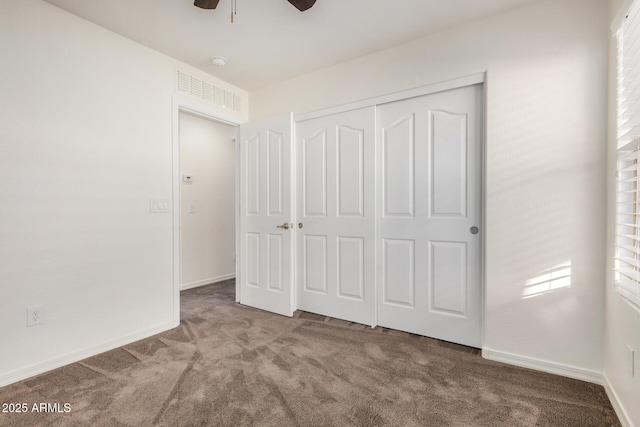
point(301, 5)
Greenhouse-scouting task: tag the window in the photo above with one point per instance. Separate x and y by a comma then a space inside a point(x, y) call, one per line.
point(627, 262)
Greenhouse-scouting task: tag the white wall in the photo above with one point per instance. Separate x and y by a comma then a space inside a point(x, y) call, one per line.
point(622, 321)
point(85, 142)
point(207, 231)
point(545, 169)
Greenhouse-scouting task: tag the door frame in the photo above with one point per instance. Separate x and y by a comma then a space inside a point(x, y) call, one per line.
point(187, 105)
point(478, 78)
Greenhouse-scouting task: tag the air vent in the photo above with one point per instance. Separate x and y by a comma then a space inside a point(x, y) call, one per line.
point(207, 92)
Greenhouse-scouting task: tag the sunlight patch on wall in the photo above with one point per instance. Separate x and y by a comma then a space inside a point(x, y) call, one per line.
point(556, 277)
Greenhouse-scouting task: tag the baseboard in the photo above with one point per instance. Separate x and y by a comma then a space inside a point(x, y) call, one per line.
point(544, 366)
point(199, 283)
point(58, 362)
point(624, 418)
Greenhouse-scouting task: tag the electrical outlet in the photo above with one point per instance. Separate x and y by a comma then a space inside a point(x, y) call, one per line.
point(35, 315)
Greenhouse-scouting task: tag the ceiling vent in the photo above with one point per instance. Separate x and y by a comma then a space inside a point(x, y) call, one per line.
point(207, 92)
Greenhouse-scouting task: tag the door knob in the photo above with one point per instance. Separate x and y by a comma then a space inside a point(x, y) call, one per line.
point(474, 230)
point(285, 226)
point(299, 225)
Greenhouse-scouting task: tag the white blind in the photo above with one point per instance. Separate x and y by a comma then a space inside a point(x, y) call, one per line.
point(627, 262)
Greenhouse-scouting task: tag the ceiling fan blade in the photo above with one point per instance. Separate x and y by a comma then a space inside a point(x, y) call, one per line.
point(302, 5)
point(206, 4)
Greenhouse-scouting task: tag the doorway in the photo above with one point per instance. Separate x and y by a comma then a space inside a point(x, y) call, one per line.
point(207, 201)
point(183, 107)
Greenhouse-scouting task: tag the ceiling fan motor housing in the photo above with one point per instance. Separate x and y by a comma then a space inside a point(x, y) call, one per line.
point(301, 5)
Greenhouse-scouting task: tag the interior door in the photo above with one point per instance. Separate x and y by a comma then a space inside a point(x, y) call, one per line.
point(265, 253)
point(336, 213)
point(429, 215)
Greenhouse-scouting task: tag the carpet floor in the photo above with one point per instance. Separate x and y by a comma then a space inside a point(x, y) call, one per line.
point(230, 365)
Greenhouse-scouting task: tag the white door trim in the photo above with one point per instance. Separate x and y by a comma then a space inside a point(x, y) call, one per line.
point(180, 103)
point(397, 96)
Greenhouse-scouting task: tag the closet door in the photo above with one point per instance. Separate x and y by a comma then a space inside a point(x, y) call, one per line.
point(264, 273)
point(336, 215)
point(429, 215)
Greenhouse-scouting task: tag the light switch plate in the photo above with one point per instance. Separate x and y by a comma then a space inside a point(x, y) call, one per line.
point(159, 205)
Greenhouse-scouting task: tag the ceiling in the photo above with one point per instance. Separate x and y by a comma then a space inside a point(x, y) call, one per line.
point(271, 41)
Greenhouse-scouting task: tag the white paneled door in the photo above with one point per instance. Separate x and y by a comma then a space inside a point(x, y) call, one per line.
point(265, 253)
point(428, 212)
point(336, 215)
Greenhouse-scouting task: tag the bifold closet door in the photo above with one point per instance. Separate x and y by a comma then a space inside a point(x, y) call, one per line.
point(429, 215)
point(336, 215)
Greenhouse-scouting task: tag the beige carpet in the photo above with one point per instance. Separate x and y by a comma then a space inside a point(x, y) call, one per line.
point(230, 365)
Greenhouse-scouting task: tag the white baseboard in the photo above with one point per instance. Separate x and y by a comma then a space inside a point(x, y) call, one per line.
point(624, 418)
point(186, 286)
point(76, 356)
point(544, 366)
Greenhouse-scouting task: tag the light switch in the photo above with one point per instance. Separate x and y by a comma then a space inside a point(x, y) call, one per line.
point(188, 179)
point(159, 205)
point(191, 208)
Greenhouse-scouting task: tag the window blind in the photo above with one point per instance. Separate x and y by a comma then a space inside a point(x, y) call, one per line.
point(627, 261)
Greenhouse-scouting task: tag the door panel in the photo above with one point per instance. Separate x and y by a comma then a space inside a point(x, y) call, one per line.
point(252, 183)
point(336, 207)
point(276, 257)
point(449, 277)
point(398, 167)
point(351, 267)
point(274, 175)
point(448, 163)
point(429, 262)
point(253, 259)
point(314, 155)
point(350, 171)
point(265, 256)
point(315, 264)
point(398, 272)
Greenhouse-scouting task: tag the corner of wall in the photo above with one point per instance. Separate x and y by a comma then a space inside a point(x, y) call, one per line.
point(621, 412)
